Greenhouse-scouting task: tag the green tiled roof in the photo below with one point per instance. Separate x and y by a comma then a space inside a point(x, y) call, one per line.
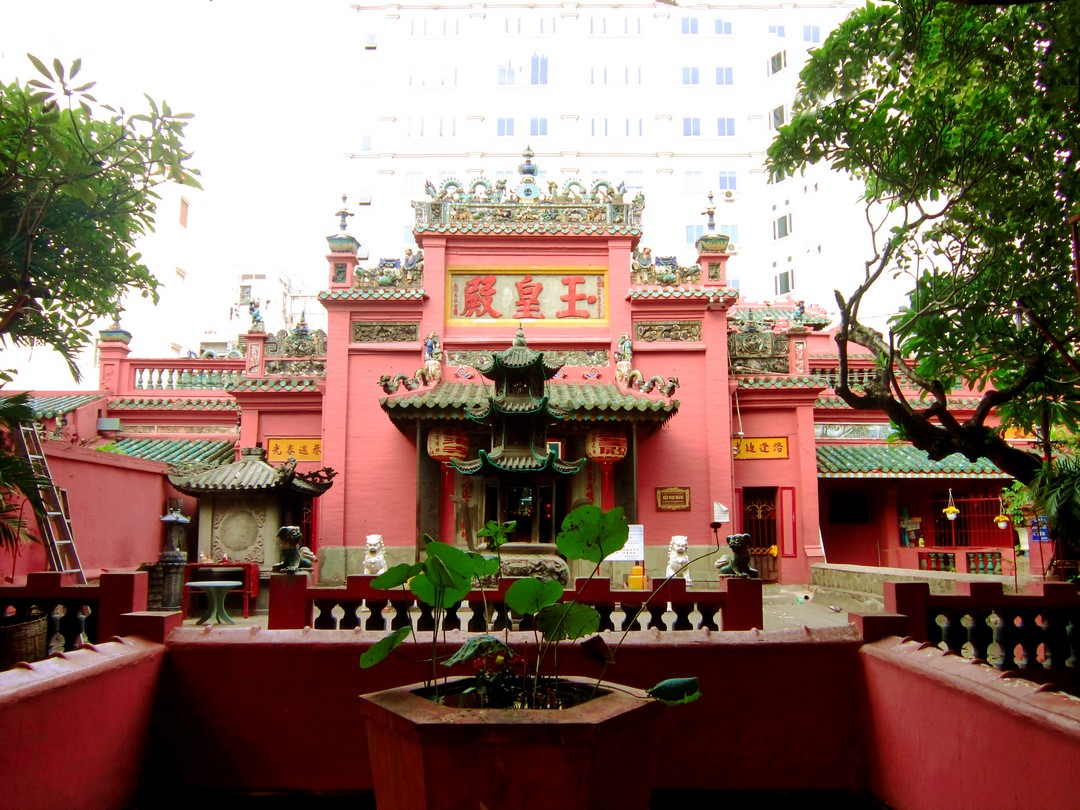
point(174, 451)
point(896, 461)
point(47, 407)
point(583, 402)
point(831, 401)
point(252, 473)
point(275, 384)
point(374, 294)
point(172, 404)
point(674, 293)
point(780, 381)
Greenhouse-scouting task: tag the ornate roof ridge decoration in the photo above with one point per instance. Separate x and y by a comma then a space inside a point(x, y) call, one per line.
point(782, 316)
point(298, 342)
point(482, 206)
point(252, 473)
point(896, 460)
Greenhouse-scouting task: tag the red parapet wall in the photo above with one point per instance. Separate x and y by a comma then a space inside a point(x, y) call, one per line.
point(75, 729)
point(948, 732)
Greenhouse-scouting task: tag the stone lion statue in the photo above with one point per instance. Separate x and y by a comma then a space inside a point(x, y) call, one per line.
point(374, 556)
point(679, 556)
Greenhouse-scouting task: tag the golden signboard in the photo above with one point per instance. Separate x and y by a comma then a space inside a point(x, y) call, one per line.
point(761, 447)
point(673, 499)
point(302, 448)
point(541, 295)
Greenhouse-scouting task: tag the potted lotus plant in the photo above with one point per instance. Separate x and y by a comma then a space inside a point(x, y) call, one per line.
point(533, 733)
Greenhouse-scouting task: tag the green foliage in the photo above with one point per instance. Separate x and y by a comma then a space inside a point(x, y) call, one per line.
point(77, 189)
point(381, 649)
point(963, 123)
point(674, 691)
point(497, 534)
point(502, 677)
point(589, 533)
point(1056, 490)
point(17, 478)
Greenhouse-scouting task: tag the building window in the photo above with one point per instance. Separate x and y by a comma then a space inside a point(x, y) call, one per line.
point(371, 42)
point(693, 233)
point(634, 179)
point(635, 126)
point(245, 294)
point(693, 181)
point(505, 127)
point(727, 181)
point(730, 231)
point(539, 71)
point(723, 27)
point(598, 75)
point(781, 227)
point(184, 208)
point(691, 127)
point(777, 29)
point(777, 62)
point(690, 75)
point(784, 283)
point(811, 33)
point(365, 143)
point(512, 26)
point(600, 126)
point(724, 75)
point(689, 25)
point(778, 117)
point(538, 126)
point(597, 25)
point(725, 127)
point(506, 74)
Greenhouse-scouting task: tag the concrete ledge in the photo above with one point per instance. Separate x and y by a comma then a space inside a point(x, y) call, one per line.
point(868, 579)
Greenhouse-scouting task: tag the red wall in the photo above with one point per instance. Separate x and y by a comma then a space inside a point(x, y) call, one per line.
point(74, 731)
point(116, 507)
point(946, 732)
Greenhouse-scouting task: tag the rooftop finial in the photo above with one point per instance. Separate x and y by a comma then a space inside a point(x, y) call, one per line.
point(710, 212)
point(344, 213)
point(527, 169)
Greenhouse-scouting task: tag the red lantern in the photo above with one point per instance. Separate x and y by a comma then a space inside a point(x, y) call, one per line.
point(605, 444)
point(446, 444)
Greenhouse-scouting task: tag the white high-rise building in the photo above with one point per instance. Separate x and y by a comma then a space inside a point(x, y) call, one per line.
point(677, 101)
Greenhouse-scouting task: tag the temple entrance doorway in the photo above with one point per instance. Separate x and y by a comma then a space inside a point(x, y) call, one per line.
point(537, 507)
point(759, 520)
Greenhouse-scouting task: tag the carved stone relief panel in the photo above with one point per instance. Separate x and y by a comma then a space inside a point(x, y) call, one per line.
point(238, 529)
point(649, 331)
point(758, 352)
point(385, 332)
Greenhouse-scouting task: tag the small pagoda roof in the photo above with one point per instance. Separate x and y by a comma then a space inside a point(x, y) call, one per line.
point(252, 473)
point(518, 356)
point(518, 463)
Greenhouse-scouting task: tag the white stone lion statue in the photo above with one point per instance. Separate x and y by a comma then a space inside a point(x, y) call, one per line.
point(678, 556)
point(374, 557)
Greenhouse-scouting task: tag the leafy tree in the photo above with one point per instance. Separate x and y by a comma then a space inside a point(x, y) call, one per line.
point(18, 481)
point(77, 182)
point(963, 123)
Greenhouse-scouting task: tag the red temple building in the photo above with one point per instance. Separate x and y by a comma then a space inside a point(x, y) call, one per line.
point(653, 387)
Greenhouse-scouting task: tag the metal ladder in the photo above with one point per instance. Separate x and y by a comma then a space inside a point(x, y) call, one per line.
point(55, 523)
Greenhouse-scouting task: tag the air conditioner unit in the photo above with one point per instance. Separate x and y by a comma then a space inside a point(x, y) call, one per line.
point(729, 196)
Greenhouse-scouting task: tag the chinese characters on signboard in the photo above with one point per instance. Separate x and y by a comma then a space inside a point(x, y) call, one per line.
point(673, 499)
point(560, 295)
point(300, 448)
point(761, 447)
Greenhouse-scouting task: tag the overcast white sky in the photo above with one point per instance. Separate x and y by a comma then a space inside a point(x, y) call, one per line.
point(269, 85)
